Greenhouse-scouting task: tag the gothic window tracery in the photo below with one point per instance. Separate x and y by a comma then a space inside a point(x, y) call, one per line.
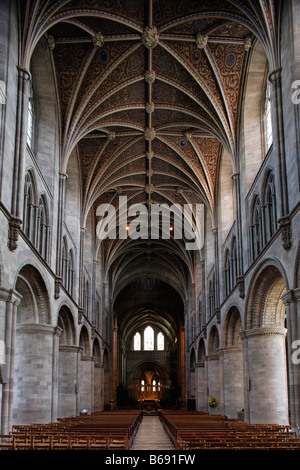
point(42, 228)
point(29, 207)
point(270, 207)
point(268, 132)
point(256, 229)
point(149, 340)
point(30, 118)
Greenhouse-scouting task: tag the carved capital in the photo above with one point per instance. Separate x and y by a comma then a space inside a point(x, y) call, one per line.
point(80, 315)
point(57, 286)
point(13, 233)
point(241, 286)
point(51, 42)
point(218, 314)
point(150, 37)
point(285, 226)
point(247, 43)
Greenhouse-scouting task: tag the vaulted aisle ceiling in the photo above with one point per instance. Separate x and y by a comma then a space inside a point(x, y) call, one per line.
point(149, 92)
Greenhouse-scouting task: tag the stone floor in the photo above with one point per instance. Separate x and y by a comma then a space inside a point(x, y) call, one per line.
point(152, 436)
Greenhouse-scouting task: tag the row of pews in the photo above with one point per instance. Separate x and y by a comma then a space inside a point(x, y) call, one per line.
point(105, 430)
point(196, 430)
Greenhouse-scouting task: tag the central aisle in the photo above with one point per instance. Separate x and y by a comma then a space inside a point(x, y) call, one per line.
point(152, 436)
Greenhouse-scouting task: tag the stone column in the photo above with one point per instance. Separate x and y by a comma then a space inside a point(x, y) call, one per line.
point(217, 281)
point(98, 387)
point(233, 383)
point(55, 371)
point(33, 390)
point(68, 386)
point(11, 300)
point(275, 78)
point(213, 381)
point(115, 366)
point(15, 222)
point(291, 301)
point(201, 386)
point(81, 275)
point(266, 375)
point(182, 367)
point(60, 216)
point(240, 263)
point(86, 383)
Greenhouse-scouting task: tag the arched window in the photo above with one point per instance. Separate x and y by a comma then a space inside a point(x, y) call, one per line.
point(137, 342)
point(70, 272)
point(30, 118)
point(270, 207)
point(233, 262)
point(255, 229)
point(149, 339)
point(227, 273)
point(268, 132)
point(65, 263)
point(160, 342)
point(86, 298)
point(211, 297)
point(29, 207)
point(42, 228)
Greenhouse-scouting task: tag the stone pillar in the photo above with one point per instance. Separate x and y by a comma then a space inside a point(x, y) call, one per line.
point(55, 371)
point(233, 383)
point(213, 381)
point(115, 366)
point(182, 367)
point(201, 387)
point(33, 392)
point(81, 275)
point(68, 385)
point(266, 398)
point(8, 314)
point(275, 78)
point(240, 263)
point(15, 222)
point(86, 383)
point(98, 387)
point(291, 301)
point(60, 216)
point(217, 281)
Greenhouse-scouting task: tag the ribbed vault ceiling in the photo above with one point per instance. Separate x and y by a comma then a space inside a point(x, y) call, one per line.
point(149, 93)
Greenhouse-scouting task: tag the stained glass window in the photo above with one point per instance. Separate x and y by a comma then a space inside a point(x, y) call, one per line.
point(149, 339)
point(268, 119)
point(137, 342)
point(160, 342)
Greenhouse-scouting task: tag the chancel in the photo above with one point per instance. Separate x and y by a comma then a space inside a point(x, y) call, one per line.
point(114, 114)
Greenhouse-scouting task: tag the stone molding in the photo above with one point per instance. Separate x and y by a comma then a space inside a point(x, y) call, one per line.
point(10, 295)
point(264, 331)
point(34, 328)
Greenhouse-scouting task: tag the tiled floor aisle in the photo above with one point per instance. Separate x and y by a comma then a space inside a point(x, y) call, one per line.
point(151, 436)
